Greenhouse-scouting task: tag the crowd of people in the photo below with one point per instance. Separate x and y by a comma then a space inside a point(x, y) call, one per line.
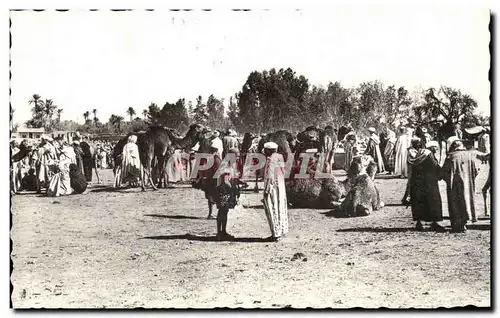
point(55, 166)
point(62, 168)
point(414, 156)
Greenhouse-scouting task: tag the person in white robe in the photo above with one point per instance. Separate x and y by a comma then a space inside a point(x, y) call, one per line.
point(401, 147)
point(46, 156)
point(218, 143)
point(60, 182)
point(130, 170)
point(275, 201)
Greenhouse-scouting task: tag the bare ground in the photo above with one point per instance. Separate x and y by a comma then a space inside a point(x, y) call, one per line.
point(150, 249)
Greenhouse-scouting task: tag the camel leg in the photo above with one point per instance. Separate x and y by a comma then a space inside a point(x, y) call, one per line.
point(151, 180)
point(210, 208)
point(485, 198)
point(256, 188)
point(97, 173)
point(161, 171)
point(485, 194)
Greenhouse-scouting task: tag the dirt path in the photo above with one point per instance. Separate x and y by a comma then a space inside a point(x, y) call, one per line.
point(157, 249)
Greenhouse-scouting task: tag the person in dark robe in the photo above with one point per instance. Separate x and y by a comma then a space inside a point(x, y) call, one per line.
point(424, 189)
point(28, 182)
point(415, 146)
point(207, 182)
point(390, 151)
point(87, 160)
point(228, 192)
point(78, 154)
point(77, 179)
point(373, 149)
point(460, 172)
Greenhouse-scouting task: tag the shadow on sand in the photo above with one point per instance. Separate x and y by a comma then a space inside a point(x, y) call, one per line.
point(481, 227)
point(258, 206)
point(177, 217)
point(112, 189)
point(191, 237)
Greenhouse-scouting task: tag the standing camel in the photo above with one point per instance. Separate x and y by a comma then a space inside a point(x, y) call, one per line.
point(158, 143)
point(161, 144)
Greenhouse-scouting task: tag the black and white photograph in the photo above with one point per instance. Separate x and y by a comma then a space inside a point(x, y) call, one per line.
point(334, 157)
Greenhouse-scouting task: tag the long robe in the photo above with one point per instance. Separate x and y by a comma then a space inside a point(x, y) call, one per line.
point(275, 201)
point(15, 182)
point(60, 183)
point(348, 144)
point(131, 163)
point(484, 143)
point(177, 167)
point(79, 157)
point(424, 189)
point(373, 149)
point(46, 155)
point(229, 142)
point(218, 144)
point(459, 172)
point(401, 147)
point(77, 179)
point(87, 159)
point(390, 152)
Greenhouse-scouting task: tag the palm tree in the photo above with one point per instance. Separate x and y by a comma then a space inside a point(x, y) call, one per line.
point(59, 111)
point(37, 111)
point(48, 109)
point(145, 113)
point(130, 112)
point(36, 100)
point(116, 121)
point(86, 116)
point(94, 111)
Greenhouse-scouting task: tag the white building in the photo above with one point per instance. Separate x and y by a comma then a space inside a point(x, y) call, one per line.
point(28, 133)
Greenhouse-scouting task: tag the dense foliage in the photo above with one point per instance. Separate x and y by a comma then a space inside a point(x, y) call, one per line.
point(281, 99)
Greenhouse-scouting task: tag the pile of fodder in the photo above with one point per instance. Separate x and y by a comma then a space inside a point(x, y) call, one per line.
point(314, 193)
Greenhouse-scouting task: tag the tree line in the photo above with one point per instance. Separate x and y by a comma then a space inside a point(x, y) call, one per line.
point(280, 99)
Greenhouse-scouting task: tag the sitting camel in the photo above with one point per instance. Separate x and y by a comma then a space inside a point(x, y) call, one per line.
point(328, 193)
point(363, 197)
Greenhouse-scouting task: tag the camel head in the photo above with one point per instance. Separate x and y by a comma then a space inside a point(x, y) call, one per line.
point(195, 132)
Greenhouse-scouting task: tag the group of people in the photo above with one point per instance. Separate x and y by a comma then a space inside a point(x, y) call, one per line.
point(415, 157)
point(55, 166)
point(223, 190)
point(64, 168)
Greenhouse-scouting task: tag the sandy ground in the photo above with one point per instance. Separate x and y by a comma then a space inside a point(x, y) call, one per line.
point(127, 248)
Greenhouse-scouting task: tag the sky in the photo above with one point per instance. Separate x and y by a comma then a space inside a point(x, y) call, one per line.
point(113, 60)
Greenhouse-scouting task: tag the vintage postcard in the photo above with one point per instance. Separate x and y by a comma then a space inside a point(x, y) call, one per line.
point(284, 158)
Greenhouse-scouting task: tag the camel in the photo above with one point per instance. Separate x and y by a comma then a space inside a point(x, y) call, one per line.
point(328, 193)
point(444, 132)
point(325, 140)
point(343, 131)
point(159, 143)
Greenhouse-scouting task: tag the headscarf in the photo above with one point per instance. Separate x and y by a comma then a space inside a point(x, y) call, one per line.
point(457, 145)
point(132, 139)
point(432, 143)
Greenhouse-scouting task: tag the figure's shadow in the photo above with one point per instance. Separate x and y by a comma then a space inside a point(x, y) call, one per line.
point(335, 213)
point(176, 217)
point(112, 189)
point(480, 227)
point(380, 229)
point(258, 206)
point(191, 237)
